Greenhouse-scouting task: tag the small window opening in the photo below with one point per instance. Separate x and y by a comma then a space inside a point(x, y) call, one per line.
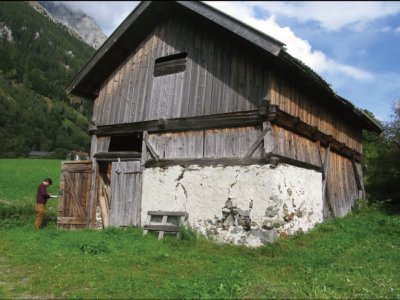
point(131, 142)
point(170, 64)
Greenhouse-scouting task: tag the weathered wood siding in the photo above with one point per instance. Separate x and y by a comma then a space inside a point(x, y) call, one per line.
point(99, 144)
point(126, 193)
point(221, 76)
point(213, 143)
point(291, 98)
point(73, 209)
point(342, 188)
point(289, 144)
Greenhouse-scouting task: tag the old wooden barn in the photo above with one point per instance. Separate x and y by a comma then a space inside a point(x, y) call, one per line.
point(196, 112)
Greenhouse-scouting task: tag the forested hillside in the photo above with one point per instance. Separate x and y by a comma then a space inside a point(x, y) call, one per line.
point(37, 60)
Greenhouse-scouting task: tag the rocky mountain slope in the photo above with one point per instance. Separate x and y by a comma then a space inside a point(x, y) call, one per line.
point(78, 22)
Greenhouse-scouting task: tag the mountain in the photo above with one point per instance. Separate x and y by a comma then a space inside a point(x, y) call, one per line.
point(38, 58)
point(80, 23)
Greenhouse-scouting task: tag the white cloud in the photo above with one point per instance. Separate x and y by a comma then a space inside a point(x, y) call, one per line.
point(296, 46)
point(333, 15)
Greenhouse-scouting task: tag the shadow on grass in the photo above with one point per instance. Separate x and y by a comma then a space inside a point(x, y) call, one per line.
point(390, 206)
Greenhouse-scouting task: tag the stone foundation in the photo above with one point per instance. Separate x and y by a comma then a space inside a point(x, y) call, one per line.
point(242, 205)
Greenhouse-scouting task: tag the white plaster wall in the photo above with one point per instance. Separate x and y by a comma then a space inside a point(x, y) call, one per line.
point(284, 191)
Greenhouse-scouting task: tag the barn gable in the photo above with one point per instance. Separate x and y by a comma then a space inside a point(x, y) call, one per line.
point(196, 112)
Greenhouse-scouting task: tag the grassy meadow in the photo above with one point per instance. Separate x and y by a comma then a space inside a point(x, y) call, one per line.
point(352, 257)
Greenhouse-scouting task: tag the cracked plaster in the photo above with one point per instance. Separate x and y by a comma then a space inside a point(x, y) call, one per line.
point(284, 199)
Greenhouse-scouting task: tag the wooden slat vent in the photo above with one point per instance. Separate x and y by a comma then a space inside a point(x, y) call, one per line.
point(170, 64)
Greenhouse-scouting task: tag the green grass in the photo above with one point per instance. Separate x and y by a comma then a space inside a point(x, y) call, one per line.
point(352, 257)
point(19, 178)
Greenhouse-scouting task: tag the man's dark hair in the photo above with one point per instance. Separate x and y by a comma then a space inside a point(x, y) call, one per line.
point(49, 181)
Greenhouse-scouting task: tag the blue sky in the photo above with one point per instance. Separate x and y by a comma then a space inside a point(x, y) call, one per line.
point(354, 46)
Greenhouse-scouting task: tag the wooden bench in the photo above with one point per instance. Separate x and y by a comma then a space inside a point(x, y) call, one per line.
point(164, 221)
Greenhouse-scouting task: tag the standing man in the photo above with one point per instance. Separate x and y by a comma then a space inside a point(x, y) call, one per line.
point(41, 199)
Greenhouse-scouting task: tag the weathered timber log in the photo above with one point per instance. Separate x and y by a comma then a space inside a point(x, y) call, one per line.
point(183, 124)
point(121, 155)
point(229, 162)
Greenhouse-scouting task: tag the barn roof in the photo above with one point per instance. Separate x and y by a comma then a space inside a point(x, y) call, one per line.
point(145, 17)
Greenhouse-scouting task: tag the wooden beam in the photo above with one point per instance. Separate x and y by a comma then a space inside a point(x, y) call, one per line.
point(248, 118)
point(229, 162)
point(168, 228)
point(120, 154)
point(292, 162)
point(167, 213)
point(204, 162)
point(325, 194)
point(257, 142)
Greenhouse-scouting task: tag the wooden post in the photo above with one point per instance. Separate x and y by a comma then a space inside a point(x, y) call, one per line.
point(93, 194)
point(325, 165)
point(359, 180)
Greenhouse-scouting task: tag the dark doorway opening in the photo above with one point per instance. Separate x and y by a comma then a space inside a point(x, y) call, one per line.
point(131, 142)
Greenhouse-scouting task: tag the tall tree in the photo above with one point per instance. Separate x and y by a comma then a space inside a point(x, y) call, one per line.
point(382, 159)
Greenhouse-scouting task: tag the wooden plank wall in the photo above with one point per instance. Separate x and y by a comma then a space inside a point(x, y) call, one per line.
point(291, 98)
point(289, 144)
point(213, 143)
point(341, 184)
point(220, 77)
point(99, 144)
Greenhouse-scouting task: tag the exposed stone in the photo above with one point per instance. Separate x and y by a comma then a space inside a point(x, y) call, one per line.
point(267, 224)
point(276, 200)
point(212, 231)
point(241, 212)
point(226, 210)
point(229, 221)
point(245, 222)
point(265, 236)
point(300, 213)
point(288, 217)
point(272, 223)
point(271, 211)
point(289, 191)
point(228, 204)
point(237, 229)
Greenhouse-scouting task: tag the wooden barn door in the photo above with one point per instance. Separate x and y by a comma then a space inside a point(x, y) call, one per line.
point(73, 207)
point(126, 194)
